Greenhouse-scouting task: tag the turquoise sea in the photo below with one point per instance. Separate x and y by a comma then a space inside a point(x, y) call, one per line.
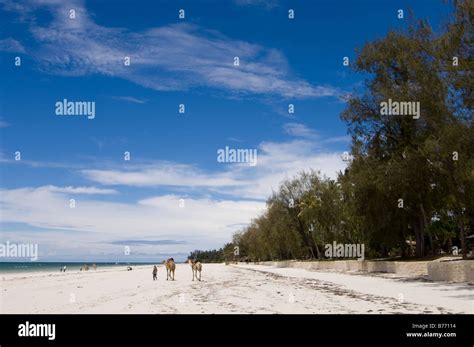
point(31, 266)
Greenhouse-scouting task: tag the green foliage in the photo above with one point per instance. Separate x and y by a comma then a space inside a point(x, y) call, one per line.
point(211, 256)
point(411, 179)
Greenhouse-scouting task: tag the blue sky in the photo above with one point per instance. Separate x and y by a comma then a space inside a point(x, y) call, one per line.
point(173, 156)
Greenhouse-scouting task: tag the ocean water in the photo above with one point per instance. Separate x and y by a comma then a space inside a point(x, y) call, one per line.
point(32, 266)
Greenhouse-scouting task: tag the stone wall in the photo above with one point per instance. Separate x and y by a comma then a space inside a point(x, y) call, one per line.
point(408, 268)
point(418, 268)
point(452, 271)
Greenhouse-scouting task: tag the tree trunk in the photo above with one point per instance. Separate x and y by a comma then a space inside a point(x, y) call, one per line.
point(306, 238)
point(425, 226)
point(419, 239)
point(462, 237)
point(318, 251)
point(403, 249)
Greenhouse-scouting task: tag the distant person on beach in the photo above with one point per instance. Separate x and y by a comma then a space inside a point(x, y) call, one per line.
point(155, 271)
point(64, 268)
point(60, 269)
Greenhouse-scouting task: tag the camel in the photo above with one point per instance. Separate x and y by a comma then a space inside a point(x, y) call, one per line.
point(170, 267)
point(196, 267)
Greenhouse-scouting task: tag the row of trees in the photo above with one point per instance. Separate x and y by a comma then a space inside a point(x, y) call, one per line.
point(226, 253)
point(410, 180)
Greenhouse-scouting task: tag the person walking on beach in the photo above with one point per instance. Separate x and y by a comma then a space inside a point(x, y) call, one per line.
point(155, 271)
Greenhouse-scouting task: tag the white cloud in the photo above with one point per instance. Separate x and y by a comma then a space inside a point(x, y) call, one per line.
point(299, 130)
point(279, 161)
point(4, 124)
point(276, 162)
point(174, 57)
point(268, 4)
point(11, 45)
point(130, 99)
point(204, 221)
point(200, 222)
point(79, 190)
point(338, 139)
point(160, 174)
point(59, 245)
point(90, 227)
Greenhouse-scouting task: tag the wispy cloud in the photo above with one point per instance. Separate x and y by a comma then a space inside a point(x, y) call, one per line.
point(199, 222)
point(79, 190)
point(234, 139)
point(147, 242)
point(4, 124)
point(64, 245)
point(302, 131)
point(338, 139)
point(100, 226)
point(11, 45)
point(38, 163)
point(173, 57)
point(160, 174)
point(299, 130)
point(268, 4)
point(276, 162)
point(130, 99)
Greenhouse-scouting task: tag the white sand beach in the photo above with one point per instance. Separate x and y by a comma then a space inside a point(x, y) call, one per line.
point(228, 289)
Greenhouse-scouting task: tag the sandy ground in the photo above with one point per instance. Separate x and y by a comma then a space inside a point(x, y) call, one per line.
point(228, 289)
